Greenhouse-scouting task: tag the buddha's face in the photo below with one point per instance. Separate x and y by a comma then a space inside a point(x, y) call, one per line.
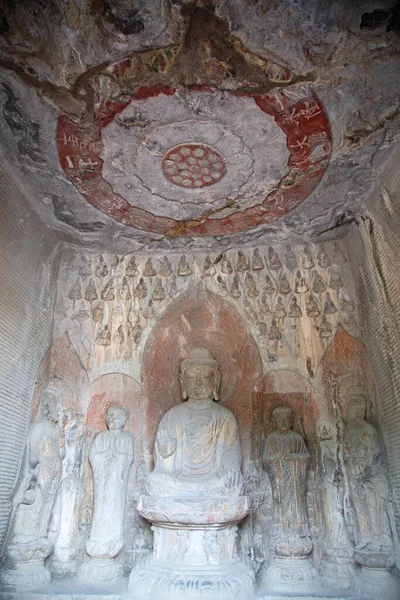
point(200, 381)
point(283, 420)
point(115, 418)
point(356, 409)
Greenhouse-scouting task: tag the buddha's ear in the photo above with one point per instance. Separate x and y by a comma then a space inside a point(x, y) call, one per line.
point(217, 384)
point(183, 389)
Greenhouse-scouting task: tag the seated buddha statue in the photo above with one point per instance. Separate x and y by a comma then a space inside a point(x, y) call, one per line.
point(197, 450)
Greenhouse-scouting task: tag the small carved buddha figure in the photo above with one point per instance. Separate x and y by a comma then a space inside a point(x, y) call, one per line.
point(251, 286)
point(197, 450)
point(307, 260)
point(329, 306)
point(312, 309)
point(335, 282)
point(318, 284)
point(289, 258)
point(323, 258)
point(90, 292)
point(369, 489)
point(97, 312)
point(184, 269)
point(101, 269)
point(294, 309)
point(108, 292)
point(286, 460)
point(257, 262)
point(274, 261)
point(208, 267)
point(269, 287)
point(131, 268)
point(158, 292)
point(141, 289)
point(149, 270)
point(226, 265)
point(242, 263)
point(235, 291)
point(284, 285)
point(123, 291)
point(165, 267)
point(300, 286)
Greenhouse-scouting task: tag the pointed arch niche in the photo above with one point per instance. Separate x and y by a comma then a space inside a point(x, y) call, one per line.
point(200, 318)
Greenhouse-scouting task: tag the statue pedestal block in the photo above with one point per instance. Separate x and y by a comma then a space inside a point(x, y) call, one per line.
point(193, 561)
point(291, 576)
point(100, 570)
point(376, 583)
point(25, 576)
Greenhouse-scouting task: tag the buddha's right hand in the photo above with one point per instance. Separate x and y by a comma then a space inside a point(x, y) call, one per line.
point(166, 444)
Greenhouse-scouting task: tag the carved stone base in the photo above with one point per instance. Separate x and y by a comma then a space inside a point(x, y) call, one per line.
point(163, 581)
point(376, 583)
point(61, 569)
point(193, 561)
point(25, 576)
point(100, 570)
point(337, 570)
point(291, 575)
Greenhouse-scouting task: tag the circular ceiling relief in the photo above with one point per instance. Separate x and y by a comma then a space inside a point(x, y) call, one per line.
point(193, 165)
point(182, 163)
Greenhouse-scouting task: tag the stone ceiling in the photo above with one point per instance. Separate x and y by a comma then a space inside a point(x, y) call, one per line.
point(173, 124)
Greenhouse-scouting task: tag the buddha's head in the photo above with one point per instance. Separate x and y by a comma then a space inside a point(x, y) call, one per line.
point(356, 408)
point(50, 407)
point(116, 417)
point(283, 418)
point(200, 377)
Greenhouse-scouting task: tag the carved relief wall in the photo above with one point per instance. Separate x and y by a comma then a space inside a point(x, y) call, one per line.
point(282, 322)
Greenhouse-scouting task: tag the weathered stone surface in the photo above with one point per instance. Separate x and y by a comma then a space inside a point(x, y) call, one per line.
point(150, 57)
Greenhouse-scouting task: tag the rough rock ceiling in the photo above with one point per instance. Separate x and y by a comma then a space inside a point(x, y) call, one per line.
point(198, 124)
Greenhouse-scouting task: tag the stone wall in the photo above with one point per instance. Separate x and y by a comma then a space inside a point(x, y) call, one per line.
point(27, 285)
point(374, 247)
point(282, 322)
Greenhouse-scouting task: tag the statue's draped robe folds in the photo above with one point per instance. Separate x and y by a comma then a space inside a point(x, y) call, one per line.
point(368, 486)
point(286, 459)
point(111, 456)
point(192, 448)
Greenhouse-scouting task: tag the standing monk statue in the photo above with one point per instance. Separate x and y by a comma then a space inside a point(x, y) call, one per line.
point(111, 457)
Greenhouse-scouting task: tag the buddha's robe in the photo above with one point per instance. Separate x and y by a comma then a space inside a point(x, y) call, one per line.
point(193, 448)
